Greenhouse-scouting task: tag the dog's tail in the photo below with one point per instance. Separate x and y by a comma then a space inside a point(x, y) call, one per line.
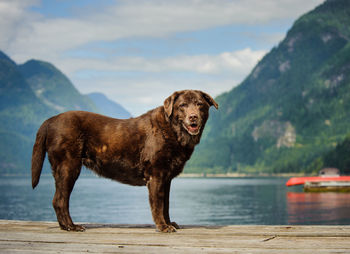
point(39, 151)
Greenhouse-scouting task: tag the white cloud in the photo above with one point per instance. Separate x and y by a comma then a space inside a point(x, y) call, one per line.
point(12, 14)
point(234, 63)
point(28, 34)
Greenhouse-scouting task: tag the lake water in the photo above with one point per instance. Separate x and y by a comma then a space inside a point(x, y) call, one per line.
point(194, 201)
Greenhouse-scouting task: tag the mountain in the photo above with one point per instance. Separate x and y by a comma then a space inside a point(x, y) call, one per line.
point(293, 107)
point(29, 94)
point(53, 88)
point(108, 107)
point(20, 113)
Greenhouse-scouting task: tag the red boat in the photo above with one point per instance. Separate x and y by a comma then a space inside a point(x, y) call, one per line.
point(302, 180)
point(326, 175)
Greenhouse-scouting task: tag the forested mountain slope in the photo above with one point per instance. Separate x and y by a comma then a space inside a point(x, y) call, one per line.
point(294, 105)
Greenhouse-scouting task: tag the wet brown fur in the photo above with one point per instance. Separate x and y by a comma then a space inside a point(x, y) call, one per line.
point(148, 150)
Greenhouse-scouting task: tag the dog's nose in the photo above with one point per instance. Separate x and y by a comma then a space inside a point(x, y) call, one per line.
point(193, 117)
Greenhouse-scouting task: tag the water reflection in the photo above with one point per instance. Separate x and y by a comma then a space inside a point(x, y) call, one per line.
point(318, 208)
point(202, 201)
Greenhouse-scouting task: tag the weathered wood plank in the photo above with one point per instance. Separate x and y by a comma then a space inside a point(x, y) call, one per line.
point(46, 237)
point(90, 248)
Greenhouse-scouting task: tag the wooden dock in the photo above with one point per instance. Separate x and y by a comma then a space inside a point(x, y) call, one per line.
point(46, 237)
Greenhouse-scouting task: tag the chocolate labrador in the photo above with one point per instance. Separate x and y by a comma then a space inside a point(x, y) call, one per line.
point(148, 150)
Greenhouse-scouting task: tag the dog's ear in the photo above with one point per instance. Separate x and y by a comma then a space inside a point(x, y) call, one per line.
point(210, 100)
point(169, 103)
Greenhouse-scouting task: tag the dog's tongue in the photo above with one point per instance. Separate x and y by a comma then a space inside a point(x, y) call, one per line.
point(193, 128)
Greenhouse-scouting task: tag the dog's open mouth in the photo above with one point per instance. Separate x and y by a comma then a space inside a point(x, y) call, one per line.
point(192, 128)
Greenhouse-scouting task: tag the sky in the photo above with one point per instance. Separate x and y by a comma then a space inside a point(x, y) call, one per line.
point(138, 52)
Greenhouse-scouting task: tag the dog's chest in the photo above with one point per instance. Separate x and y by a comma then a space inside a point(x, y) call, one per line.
point(171, 160)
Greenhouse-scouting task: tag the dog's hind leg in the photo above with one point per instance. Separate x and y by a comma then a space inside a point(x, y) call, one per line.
point(65, 173)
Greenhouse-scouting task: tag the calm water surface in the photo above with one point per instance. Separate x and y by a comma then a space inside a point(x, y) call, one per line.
point(195, 201)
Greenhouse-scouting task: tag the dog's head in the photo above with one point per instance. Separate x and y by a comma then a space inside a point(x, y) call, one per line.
point(188, 110)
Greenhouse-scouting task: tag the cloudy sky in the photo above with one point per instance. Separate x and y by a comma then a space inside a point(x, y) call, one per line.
point(138, 52)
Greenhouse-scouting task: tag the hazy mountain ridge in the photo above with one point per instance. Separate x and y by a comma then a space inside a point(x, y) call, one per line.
point(53, 88)
point(109, 107)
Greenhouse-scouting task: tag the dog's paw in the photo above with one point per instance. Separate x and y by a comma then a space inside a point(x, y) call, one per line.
point(166, 228)
point(174, 224)
point(78, 228)
point(75, 228)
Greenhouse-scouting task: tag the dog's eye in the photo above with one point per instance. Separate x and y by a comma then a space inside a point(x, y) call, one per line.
point(182, 105)
point(199, 104)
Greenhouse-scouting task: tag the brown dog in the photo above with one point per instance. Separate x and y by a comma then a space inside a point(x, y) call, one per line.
point(148, 150)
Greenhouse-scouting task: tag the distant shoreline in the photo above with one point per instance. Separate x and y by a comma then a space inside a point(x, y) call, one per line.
point(190, 175)
point(237, 175)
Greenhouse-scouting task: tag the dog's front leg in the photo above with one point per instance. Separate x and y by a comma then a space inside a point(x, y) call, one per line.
point(166, 205)
point(156, 188)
